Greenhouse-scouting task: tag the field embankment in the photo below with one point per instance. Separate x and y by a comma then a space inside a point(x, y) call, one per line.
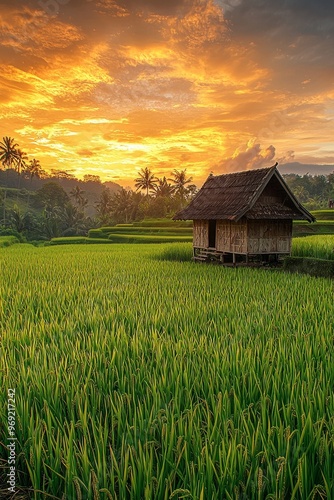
point(307, 265)
point(147, 231)
point(313, 255)
point(324, 224)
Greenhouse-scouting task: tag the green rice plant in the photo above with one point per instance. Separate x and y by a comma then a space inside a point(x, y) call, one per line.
point(148, 238)
point(324, 214)
point(163, 223)
point(181, 252)
point(147, 230)
point(144, 378)
point(95, 233)
point(302, 228)
point(77, 240)
point(319, 247)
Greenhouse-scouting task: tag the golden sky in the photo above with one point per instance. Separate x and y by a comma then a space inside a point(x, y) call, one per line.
point(107, 87)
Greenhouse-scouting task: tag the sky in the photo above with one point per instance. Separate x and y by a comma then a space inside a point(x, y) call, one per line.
point(107, 87)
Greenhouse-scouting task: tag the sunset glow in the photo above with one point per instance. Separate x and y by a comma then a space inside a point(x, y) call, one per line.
point(110, 86)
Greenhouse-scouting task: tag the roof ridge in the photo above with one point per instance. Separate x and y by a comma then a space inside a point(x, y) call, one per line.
point(227, 196)
point(244, 171)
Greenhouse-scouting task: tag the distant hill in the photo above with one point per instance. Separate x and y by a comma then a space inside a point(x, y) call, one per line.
point(305, 168)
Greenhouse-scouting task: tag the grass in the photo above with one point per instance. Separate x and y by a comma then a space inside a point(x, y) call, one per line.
point(138, 378)
point(166, 232)
point(149, 230)
point(77, 240)
point(310, 265)
point(324, 214)
point(182, 252)
point(163, 223)
point(7, 241)
point(301, 228)
point(159, 231)
point(22, 198)
point(318, 247)
point(148, 238)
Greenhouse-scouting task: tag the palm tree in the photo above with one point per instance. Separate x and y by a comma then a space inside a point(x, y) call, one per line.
point(8, 155)
point(180, 181)
point(17, 219)
point(20, 162)
point(84, 204)
point(163, 188)
point(34, 169)
point(103, 208)
point(21, 158)
point(77, 194)
point(72, 218)
point(81, 202)
point(146, 180)
point(121, 205)
point(8, 151)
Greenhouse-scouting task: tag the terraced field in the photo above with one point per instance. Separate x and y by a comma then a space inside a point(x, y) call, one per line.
point(139, 377)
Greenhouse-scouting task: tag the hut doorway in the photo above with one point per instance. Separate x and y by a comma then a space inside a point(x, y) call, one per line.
point(212, 233)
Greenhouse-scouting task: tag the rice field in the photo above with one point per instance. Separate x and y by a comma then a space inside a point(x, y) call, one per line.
point(139, 378)
point(318, 247)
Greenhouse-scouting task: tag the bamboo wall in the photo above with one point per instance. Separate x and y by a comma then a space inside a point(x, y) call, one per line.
point(269, 236)
point(231, 236)
point(246, 236)
point(201, 233)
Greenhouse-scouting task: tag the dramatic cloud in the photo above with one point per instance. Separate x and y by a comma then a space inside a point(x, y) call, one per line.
point(107, 86)
point(252, 157)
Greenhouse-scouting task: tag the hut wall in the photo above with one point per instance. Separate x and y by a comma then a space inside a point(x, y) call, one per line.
point(200, 234)
point(246, 236)
point(269, 236)
point(231, 236)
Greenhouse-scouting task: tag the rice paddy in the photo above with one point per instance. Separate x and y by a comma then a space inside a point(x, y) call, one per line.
point(318, 247)
point(139, 378)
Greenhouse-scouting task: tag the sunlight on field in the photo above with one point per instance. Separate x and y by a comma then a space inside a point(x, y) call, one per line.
point(144, 378)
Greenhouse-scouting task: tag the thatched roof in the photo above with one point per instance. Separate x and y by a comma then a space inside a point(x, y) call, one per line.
point(232, 196)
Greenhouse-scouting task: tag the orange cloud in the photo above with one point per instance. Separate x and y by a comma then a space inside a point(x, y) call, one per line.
point(108, 86)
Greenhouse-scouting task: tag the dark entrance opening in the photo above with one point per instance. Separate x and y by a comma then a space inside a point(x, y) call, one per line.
point(212, 233)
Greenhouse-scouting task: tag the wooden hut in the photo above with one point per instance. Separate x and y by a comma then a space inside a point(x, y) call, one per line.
point(243, 215)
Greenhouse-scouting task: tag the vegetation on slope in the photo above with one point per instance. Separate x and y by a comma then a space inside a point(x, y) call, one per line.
point(7, 241)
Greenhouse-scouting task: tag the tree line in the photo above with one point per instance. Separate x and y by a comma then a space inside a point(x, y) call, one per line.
point(153, 197)
point(314, 191)
point(40, 207)
point(35, 204)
